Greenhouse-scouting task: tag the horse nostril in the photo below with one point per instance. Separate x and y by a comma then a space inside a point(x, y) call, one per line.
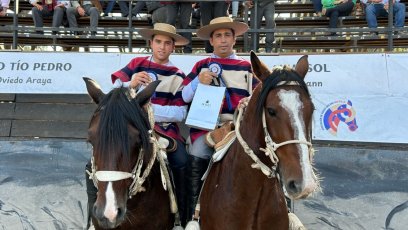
point(93, 211)
point(121, 213)
point(293, 187)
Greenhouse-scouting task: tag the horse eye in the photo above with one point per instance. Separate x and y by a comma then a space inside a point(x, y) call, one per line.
point(271, 112)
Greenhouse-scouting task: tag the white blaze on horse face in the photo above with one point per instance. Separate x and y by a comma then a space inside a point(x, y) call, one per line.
point(111, 209)
point(290, 101)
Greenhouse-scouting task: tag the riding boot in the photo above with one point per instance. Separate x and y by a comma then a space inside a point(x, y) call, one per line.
point(196, 168)
point(179, 175)
point(91, 191)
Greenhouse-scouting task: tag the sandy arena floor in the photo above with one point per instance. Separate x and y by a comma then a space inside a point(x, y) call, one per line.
point(42, 187)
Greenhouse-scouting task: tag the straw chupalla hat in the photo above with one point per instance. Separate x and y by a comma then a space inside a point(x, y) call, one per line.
point(164, 29)
point(222, 23)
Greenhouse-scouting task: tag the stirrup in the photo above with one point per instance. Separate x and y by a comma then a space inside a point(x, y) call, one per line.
point(295, 223)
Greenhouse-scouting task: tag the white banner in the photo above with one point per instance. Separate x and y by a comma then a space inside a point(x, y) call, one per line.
point(397, 66)
point(49, 73)
point(358, 97)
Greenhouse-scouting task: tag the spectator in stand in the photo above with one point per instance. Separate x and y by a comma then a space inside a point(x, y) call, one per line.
point(48, 8)
point(162, 12)
point(266, 8)
point(185, 10)
point(335, 9)
point(86, 8)
point(138, 8)
point(3, 7)
point(317, 6)
point(59, 13)
point(209, 11)
point(123, 5)
point(376, 8)
point(167, 12)
point(235, 8)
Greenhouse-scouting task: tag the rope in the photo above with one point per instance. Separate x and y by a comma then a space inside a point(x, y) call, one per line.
point(271, 146)
point(161, 154)
point(258, 163)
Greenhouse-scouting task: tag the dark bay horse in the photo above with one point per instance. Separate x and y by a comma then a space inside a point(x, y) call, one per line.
point(131, 194)
point(243, 191)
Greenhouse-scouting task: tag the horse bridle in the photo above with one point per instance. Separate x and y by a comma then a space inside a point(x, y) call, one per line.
point(271, 146)
point(159, 154)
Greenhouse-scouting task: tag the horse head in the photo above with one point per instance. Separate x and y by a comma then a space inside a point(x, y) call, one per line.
point(119, 135)
point(283, 102)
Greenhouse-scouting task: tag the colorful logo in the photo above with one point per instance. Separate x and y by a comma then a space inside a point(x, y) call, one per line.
point(337, 112)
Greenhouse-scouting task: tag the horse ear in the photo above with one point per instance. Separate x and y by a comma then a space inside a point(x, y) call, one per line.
point(94, 90)
point(144, 96)
point(302, 66)
point(260, 70)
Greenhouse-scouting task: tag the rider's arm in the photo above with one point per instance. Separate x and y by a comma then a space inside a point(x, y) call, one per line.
point(189, 90)
point(169, 113)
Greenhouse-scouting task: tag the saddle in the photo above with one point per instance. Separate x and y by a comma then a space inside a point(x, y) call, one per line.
point(165, 141)
point(221, 136)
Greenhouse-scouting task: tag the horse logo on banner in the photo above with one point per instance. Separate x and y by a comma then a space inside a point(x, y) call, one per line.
point(336, 112)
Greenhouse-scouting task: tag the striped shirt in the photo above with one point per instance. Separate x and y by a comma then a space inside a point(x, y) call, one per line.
point(168, 93)
point(237, 75)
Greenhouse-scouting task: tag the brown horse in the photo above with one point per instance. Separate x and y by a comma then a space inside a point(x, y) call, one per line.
point(243, 190)
point(130, 190)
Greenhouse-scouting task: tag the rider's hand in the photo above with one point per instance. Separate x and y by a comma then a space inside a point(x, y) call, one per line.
point(38, 6)
point(81, 11)
point(139, 79)
point(206, 77)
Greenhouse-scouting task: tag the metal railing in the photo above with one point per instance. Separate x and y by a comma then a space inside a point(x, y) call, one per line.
point(254, 30)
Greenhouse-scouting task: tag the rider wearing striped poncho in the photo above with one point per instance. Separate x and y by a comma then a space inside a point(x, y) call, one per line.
point(167, 103)
point(234, 73)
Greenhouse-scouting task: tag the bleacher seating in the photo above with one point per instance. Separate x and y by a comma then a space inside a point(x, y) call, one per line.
point(297, 29)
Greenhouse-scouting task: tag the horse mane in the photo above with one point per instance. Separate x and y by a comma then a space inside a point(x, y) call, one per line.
point(116, 112)
point(279, 74)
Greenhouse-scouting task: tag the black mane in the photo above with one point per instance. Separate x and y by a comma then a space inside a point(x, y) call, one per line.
point(285, 74)
point(116, 112)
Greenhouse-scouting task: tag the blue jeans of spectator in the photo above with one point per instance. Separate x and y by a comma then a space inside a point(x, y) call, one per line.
point(123, 5)
point(339, 10)
point(235, 6)
point(317, 5)
point(375, 10)
point(267, 11)
point(109, 7)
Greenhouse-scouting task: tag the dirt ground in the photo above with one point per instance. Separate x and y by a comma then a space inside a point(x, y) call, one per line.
point(42, 187)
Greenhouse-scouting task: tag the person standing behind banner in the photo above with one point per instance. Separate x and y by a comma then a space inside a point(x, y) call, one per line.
point(85, 8)
point(234, 73)
point(167, 103)
point(3, 7)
